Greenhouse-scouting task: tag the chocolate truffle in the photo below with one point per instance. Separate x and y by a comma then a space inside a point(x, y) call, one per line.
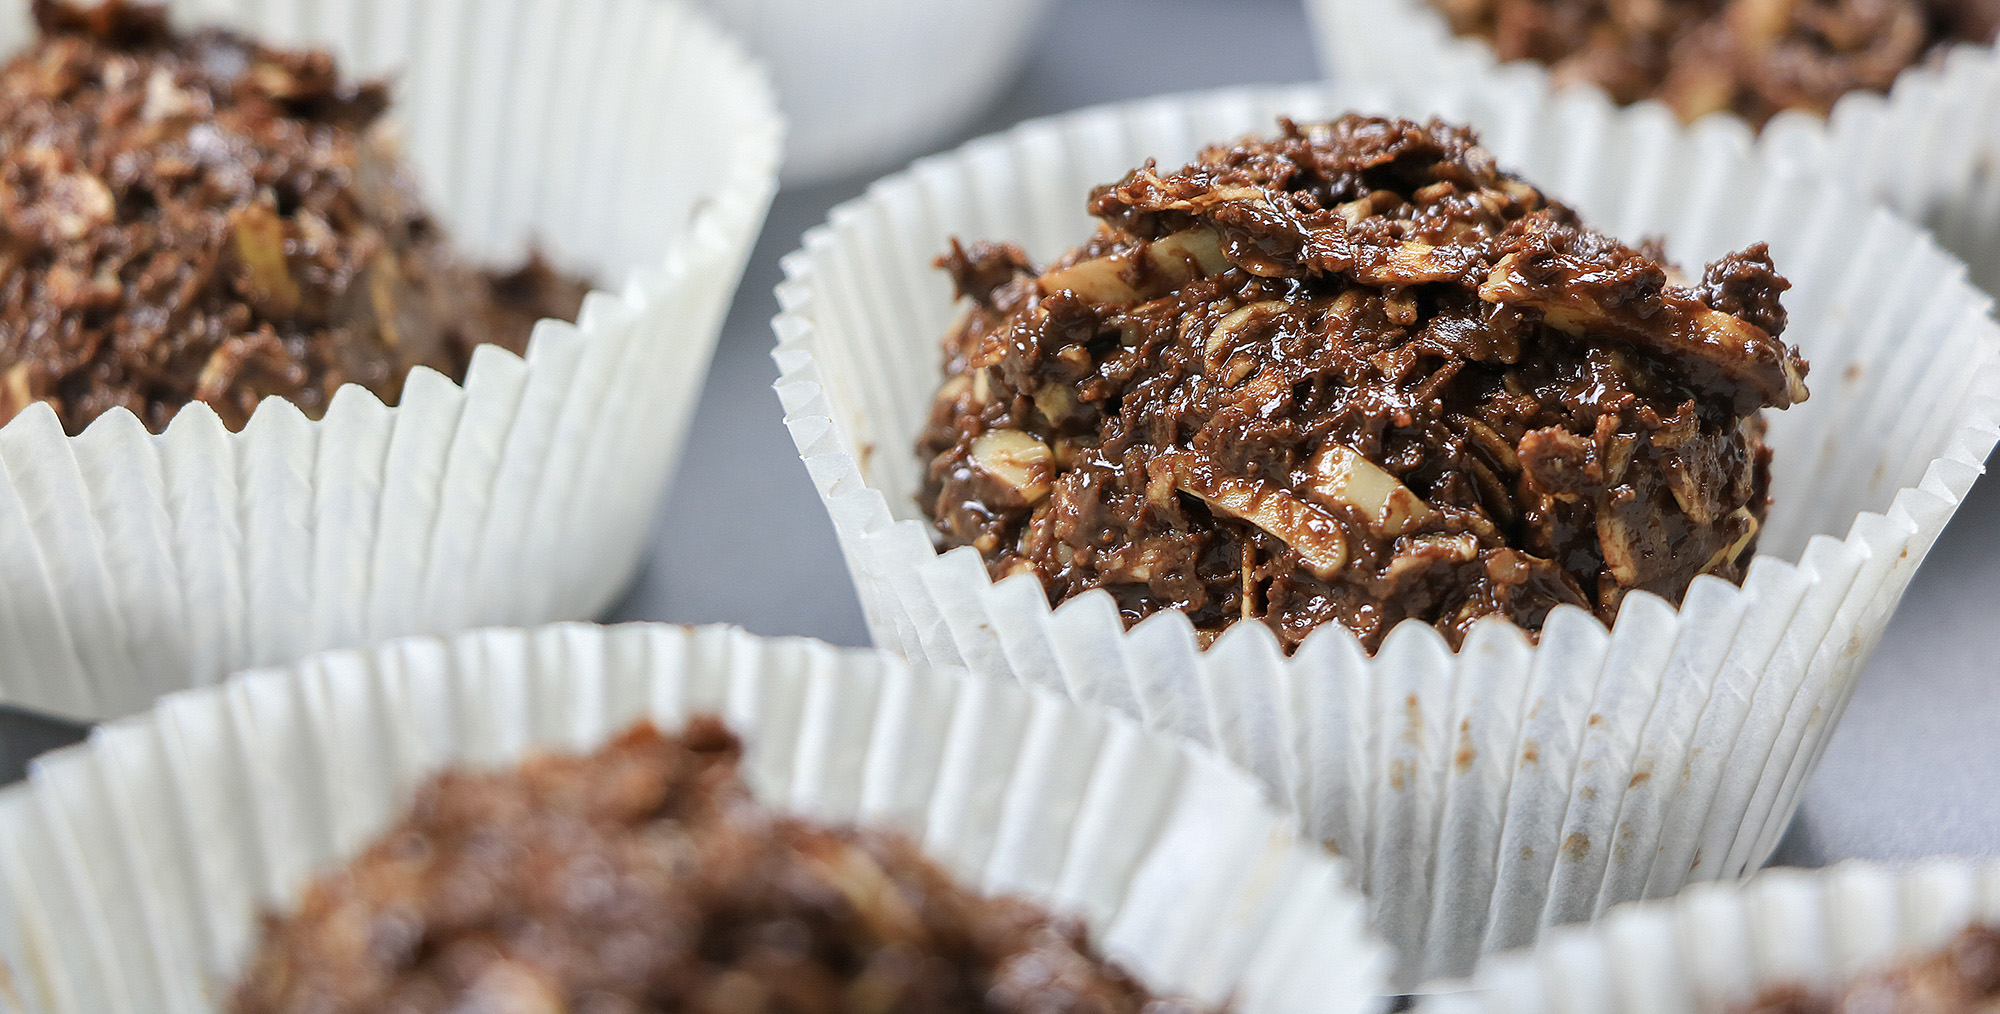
point(1754, 58)
point(196, 217)
point(644, 878)
point(1355, 374)
point(1962, 978)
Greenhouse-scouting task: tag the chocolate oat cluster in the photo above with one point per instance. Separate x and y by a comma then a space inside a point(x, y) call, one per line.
point(1754, 58)
point(1355, 374)
point(202, 218)
point(644, 878)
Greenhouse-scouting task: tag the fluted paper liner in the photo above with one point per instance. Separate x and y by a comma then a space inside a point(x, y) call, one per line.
point(1929, 148)
point(132, 868)
point(1716, 947)
point(1486, 793)
point(868, 83)
point(630, 141)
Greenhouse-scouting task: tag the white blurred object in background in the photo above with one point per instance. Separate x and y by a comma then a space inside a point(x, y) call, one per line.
point(867, 84)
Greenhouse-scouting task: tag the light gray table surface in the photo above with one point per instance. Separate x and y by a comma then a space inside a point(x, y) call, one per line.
point(1914, 770)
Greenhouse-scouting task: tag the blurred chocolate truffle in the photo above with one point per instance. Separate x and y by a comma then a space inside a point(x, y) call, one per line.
point(1753, 58)
point(197, 217)
point(1963, 977)
point(643, 877)
point(1355, 374)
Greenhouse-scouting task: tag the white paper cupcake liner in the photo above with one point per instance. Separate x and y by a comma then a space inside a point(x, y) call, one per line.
point(132, 868)
point(628, 139)
point(1509, 786)
point(1350, 36)
point(1930, 148)
point(868, 83)
point(1718, 947)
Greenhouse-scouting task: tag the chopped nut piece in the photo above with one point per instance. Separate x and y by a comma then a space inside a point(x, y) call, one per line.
point(1414, 262)
point(259, 236)
point(165, 99)
point(1099, 280)
point(1341, 476)
point(1126, 277)
point(79, 202)
point(1462, 547)
point(1022, 463)
point(1226, 329)
point(1420, 553)
point(383, 281)
point(1189, 254)
point(1056, 404)
point(1489, 440)
point(16, 393)
point(1728, 555)
point(217, 372)
point(1315, 535)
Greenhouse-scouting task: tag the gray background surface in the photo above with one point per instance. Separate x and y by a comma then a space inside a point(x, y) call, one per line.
point(1911, 772)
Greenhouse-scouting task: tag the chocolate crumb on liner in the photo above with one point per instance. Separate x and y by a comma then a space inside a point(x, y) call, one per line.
point(134, 886)
point(1489, 791)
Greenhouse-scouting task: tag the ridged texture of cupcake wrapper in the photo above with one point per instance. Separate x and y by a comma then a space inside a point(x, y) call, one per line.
point(1509, 786)
point(868, 83)
point(1929, 148)
point(132, 868)
point(631, 141)
point(1717, 947)
point(1350, 34)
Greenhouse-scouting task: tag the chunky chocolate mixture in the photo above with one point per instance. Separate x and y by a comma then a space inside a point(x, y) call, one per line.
point(1753, 58)
point(200, 218)
point(1963, 978)
point(644, 878)
point(1355, 374)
